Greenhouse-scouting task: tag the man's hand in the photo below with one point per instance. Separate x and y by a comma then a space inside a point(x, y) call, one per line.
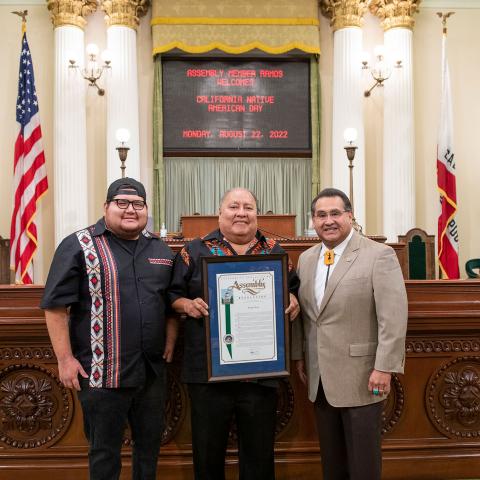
point(195, 308)
point(168, 352)
point(171, 334)
point(69, 368)
point(294, 308)
point(300, 367)
point(379, 382)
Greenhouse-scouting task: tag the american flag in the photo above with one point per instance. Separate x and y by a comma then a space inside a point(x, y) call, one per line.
point(448, 241)
point(30, 175)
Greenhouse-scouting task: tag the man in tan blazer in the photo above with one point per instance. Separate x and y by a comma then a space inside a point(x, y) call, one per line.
point(353, 326)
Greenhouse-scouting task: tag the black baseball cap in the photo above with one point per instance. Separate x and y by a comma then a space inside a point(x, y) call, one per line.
point(125, 186)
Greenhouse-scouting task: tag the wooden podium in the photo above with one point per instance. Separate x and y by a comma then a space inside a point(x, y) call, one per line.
point(431, 420)
point(273, 226)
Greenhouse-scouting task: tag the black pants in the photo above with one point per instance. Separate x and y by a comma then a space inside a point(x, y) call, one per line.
point(105, 415)
point(213, 407)
point(350, 440)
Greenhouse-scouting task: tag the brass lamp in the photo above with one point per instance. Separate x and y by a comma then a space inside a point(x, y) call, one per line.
point(350, 135)
point(123, 136)
point(93, 71)
point(380, 70)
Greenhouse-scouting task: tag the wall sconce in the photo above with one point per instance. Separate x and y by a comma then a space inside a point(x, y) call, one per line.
point(380, 70)
point(92, 71)
point(123, 136)
point(350, 135)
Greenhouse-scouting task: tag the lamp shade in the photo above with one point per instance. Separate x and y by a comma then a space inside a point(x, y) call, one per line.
point(365, 58)
point(379, 51)
point(122, 135)
point(350, 135)
point(92, 49)
point(107, 56)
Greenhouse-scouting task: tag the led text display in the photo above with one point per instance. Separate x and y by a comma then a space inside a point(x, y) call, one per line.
point(231, 105)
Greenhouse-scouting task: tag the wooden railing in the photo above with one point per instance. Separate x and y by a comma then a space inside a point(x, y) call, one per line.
point(431, 419)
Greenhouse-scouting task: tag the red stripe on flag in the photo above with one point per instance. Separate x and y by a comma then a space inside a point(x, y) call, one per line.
point(448, 260)
point(446, 182)
point(23, 183)
point(34, 137)
point(24, 256)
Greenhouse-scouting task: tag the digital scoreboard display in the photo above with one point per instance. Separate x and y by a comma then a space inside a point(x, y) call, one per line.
point(231, 105)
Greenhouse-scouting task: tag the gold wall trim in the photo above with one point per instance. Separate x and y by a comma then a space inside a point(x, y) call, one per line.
point(124, 12)
point(236, 49)
point(233, 21)
point(395, 13)
point(344, 13)
point(70, 12)
point(235, 26)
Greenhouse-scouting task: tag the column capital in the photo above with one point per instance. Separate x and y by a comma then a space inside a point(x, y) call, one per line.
point(344, 13)
point(70, 12)
point(395, 13)
point(124, 12)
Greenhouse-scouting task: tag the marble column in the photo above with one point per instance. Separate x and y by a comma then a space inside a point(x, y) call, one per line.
point(399, 125)
point(346, 18)
point(122, 18)
point(70, 138)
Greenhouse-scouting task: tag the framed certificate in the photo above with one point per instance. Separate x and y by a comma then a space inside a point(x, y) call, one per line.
point(246, 331)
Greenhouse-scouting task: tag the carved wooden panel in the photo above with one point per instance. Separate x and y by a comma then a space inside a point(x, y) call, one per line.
point(453, 398)
point(431, 419)
point(393, 406)
point(35, 409)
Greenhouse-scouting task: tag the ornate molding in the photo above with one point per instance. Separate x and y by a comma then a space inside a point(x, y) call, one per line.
point(285, 405)
point(456, 4)
point(393, 406)
point(175, 407)
point(395, 13)
point(70, 12)
point(344, 13)
point(27, 353)
point(440, 345)
point(124, 12)
point(35, 409)
point(453, 398)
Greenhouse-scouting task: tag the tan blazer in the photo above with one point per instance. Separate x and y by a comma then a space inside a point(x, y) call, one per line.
point(360, 325)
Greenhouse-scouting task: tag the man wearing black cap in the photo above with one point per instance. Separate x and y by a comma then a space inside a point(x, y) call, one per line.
point(105, 302)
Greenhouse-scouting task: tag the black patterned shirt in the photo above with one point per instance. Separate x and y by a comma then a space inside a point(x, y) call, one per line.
point(187, 283)
point(117, 298)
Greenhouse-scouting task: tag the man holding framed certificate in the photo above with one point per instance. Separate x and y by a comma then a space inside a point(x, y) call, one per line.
point(253, 402)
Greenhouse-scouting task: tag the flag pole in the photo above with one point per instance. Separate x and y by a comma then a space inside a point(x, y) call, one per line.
point(444, 17)
point(23, 15)
point(447, 252)
point(30, 175)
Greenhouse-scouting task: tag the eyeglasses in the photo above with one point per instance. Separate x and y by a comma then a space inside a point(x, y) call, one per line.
point(333, 214)
point(123, 203)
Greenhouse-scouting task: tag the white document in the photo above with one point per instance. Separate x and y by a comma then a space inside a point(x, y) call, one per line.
point(246, 317)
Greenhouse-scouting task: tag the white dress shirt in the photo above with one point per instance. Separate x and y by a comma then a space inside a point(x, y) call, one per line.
point(321, 273)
